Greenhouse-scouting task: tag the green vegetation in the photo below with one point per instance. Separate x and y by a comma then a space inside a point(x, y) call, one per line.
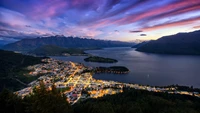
point(130, 101)
point(112, 69)
point(63, 89)
point(41, 101)
point(13, 74)
point(52, 50)
point(100, 59)
point(119, 68)
point(140, 101)
point(185, 88)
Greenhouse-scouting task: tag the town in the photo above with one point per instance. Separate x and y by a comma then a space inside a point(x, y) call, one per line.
point(76, 82)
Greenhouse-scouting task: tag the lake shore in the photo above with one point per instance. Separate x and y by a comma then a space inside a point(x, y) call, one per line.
point(145, 68)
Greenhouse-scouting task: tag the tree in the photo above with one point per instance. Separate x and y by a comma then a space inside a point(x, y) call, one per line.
point(10, 103)
point(48, 101)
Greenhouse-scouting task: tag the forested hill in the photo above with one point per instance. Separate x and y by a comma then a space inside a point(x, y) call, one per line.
point(12, 69)
point(181, 43)
point(140, 44)
point(140, 101)
point(130, 101)
point(62, 41)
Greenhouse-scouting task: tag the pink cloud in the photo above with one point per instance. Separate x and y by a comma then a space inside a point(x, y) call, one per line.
point(196, 27)
point(171, 9)
point(48, 9)
point(174, 24)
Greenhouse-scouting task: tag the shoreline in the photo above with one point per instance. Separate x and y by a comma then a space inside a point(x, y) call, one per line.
point(73, 76)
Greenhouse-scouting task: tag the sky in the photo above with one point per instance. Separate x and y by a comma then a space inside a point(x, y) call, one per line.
point(124, 20)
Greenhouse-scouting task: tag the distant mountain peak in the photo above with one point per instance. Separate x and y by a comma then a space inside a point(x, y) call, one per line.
point(62, 41)
point(181, 43)
point(137, 41)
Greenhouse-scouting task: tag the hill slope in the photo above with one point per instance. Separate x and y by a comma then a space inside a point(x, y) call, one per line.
point(138, 101)
point(48, 50)
point(12, 69)
point(62, 41)
point(130, 101)
point(182, 43)
point(140, 44)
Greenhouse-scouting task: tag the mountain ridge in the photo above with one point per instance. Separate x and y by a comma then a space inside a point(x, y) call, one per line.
point(62, 41)
point(52, 50)
point(181, 43)
point(140, 44)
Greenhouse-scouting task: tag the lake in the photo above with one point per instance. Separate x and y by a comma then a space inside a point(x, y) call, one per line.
point(146, 68)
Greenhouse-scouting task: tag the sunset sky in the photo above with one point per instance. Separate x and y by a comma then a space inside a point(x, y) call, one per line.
point(123, 20)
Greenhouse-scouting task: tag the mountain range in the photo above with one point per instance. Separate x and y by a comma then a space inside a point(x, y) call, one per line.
point(181, 43)
point(140, 44)
point(62, 41)
point(52, 50)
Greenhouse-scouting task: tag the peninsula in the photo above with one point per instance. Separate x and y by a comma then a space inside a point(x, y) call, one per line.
point(112, 69)
point(100, 59)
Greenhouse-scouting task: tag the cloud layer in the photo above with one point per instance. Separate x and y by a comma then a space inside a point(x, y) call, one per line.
point(102, 19)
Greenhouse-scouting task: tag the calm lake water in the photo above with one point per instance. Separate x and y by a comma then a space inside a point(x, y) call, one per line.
point(146, 68)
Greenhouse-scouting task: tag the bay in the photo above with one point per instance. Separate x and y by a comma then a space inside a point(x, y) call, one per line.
point(146, 68)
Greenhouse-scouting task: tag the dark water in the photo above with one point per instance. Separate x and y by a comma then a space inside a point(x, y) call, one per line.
point(147, 69)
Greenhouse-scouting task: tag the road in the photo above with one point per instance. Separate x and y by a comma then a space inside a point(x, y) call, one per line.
point(71, 76)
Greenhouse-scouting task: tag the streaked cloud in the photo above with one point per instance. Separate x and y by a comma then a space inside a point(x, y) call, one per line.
point(143, 34)
point(137, 31)
point(102, 19)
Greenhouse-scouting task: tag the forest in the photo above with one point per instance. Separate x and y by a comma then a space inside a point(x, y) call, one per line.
point(130, 101)
point(13, 69)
